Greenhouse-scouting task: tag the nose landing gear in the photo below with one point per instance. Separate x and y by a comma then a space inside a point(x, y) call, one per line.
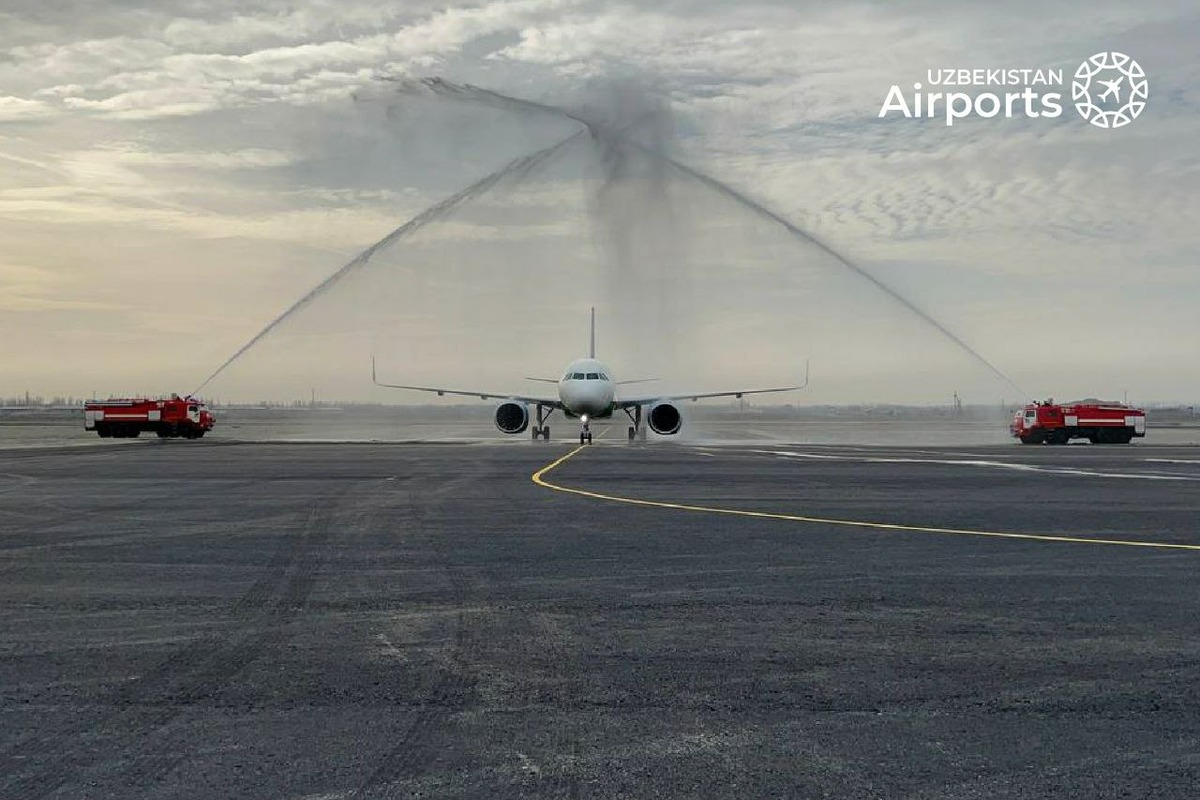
point(585, 435)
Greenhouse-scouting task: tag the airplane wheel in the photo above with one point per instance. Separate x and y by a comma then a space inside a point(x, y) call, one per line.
point(536, 432)
point(632, 433)
point(581, 438)
point(546, 432)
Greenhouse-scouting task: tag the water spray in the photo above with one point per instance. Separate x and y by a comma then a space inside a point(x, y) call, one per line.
point(604, 134)
point(518, 168)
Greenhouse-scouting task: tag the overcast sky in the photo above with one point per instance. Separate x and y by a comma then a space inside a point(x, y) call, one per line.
point(175, 174)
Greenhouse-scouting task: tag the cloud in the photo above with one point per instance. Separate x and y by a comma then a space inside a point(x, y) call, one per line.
point(83, 61)
point(16, 109)
point(28, 288)
point(255, 158)
point(190, 70)
point(14, 159)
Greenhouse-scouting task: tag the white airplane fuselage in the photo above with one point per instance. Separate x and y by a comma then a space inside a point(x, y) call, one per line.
point(587, 389)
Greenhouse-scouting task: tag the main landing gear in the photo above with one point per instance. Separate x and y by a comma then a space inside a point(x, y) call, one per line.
point(637, 431)
point(542, 429)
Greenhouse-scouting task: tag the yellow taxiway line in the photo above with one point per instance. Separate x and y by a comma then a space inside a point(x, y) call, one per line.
point(539, 478)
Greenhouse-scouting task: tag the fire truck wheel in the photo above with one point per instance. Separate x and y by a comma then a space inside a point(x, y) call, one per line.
point(1031, 439)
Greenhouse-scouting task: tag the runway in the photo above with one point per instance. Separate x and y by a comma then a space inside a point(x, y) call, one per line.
point(217, 620)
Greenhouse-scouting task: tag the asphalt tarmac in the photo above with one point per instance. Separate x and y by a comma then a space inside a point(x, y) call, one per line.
point(208, 620)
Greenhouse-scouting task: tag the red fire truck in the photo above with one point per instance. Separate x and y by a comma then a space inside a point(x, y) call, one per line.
point(175, 417)
point(1098, 421)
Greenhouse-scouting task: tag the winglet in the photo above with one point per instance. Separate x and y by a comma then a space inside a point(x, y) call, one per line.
point(592, 349)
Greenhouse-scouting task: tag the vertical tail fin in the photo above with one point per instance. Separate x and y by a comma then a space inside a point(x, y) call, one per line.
point(592, 349)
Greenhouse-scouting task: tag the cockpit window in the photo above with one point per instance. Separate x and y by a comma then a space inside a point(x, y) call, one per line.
point(576, 376)
point(603, 377)
point(593, 376)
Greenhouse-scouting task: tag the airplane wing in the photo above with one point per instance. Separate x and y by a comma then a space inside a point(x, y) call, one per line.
point(630, 402)
point(482, 395)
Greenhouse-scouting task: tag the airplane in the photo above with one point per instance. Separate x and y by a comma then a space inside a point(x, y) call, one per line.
point(587, 391)
point(1113, 87)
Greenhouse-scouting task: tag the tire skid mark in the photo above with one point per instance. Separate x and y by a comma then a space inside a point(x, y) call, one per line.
point(452, 688)
point(448, 694)
point(558, 645)
point(53, 517)
point(18, 481)
point(44, 763)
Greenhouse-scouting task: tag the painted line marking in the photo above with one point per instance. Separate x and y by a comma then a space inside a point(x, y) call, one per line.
point(1143, 476)
point(539, 478)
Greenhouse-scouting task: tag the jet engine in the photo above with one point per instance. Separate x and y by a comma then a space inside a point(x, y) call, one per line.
point(664, 419)
point(512, 417)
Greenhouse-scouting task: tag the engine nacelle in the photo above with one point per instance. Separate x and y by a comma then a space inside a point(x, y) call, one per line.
point(664, 419)
point(512, 417)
